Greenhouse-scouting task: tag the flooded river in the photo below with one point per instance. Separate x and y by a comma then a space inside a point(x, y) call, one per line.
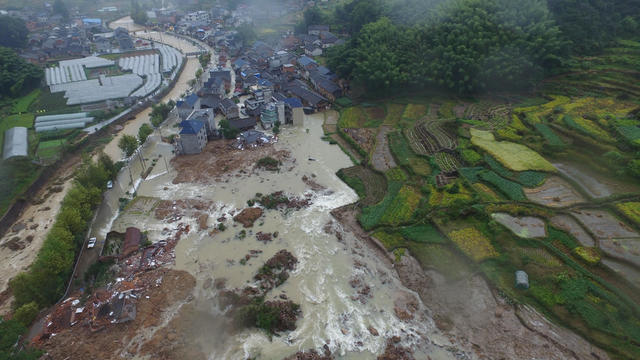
point(322, 282)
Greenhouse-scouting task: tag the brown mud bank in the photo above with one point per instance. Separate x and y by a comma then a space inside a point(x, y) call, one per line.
point(474, 317)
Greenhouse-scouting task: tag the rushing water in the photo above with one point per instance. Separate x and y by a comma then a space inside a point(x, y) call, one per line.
point(320, 282)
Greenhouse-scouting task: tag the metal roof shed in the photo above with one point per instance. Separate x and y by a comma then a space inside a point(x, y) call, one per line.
point(15, 143)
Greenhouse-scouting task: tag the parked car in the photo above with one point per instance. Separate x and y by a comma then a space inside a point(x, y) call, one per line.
point(109, 184)
point(91, 243)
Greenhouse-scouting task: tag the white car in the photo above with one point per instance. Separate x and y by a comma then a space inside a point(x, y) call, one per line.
point(92, 243)
point(109, 184)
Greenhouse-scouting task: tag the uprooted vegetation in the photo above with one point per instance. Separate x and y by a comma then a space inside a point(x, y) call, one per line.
point(248, 307)
point(548, 185)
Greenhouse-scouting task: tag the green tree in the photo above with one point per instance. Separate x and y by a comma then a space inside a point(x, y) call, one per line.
point(128, 144)
point(138, 14)
point(61, 9)
point(10, 332)
point(26, 313)
point(16, 75)
point(227, 131)
point(246, 33)
point(14, 32)
point(144, 132)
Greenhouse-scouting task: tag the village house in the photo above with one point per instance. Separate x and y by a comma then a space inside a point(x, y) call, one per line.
point(187, 105)
point(192, 138)
point(317, 29)
point(229, 109)
point(206, 116)
point(294, 113)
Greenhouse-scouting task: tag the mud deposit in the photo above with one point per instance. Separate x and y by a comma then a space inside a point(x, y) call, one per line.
point(219, 158)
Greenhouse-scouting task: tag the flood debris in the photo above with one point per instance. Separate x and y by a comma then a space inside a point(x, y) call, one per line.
point(393, 351)
point(280, 200)
point(175, 210)
point(247, 306)
point(312, 355)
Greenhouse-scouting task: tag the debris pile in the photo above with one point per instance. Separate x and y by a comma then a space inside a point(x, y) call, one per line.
point(279, 200)
point(393, 351)
point(311, 355)
point(247, 305)
point(174, 210)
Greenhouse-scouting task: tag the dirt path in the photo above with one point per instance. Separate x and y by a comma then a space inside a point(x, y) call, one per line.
point(127, 23)
point(382, 160)
point(463, 307)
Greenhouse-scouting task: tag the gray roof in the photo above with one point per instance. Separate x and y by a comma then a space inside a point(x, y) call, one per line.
point(15, 143)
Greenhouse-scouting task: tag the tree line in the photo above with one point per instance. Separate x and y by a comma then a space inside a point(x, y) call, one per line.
point(46, 280)
point(468, 46)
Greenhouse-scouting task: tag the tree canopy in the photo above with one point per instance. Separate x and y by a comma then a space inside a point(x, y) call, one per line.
point(468, 46)
point(128, 144)
point(138, 14)
point(61, 9)
point(16, 75)
point(14, 32)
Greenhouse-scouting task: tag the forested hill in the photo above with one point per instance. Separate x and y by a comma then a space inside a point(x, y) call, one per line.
point(468, 46)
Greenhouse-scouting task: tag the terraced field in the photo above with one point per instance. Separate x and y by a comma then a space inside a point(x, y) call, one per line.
point(548, 184)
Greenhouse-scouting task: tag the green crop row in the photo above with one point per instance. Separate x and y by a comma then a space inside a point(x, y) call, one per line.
point(549, 136)
point(371, 215)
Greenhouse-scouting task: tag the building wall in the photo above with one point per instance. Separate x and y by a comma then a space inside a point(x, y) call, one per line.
point(192, 144)
point(298, 116)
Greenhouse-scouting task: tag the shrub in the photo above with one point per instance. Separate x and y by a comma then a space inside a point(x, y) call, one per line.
point(26, 313)
point(268, 163)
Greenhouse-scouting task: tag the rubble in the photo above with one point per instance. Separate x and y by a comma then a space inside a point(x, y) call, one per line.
point(395, 352)
point(279, 200)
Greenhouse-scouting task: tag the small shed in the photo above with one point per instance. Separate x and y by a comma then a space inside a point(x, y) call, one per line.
point(522, 280)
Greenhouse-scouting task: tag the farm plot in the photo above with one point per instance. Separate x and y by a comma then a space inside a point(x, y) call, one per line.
point(525, 178)
point(370, 186)
point(525, 227)
point(586, 127)
point(422, 233)
point(630, 210)
point(589, 181)
point(394, 114)
point(492, 116)
point(405, 157)
point(401, 209)
point(622, 249)
point(604, 225)
point(371, 215)
point(429, 138)
point(364, 137)
point(473, 244)
point(549, 135)
point(511, 189)
point(516, 157)
point(570, 225)
point(631, 133)
point(624, 270)
point(446, 162)
point(414, 111)
point(555, 193)
point(353, 117)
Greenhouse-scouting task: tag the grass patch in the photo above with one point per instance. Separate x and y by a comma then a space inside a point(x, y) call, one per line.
point(423, 234)
point(16, 176)
point(22, 104)
point(514, 156)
